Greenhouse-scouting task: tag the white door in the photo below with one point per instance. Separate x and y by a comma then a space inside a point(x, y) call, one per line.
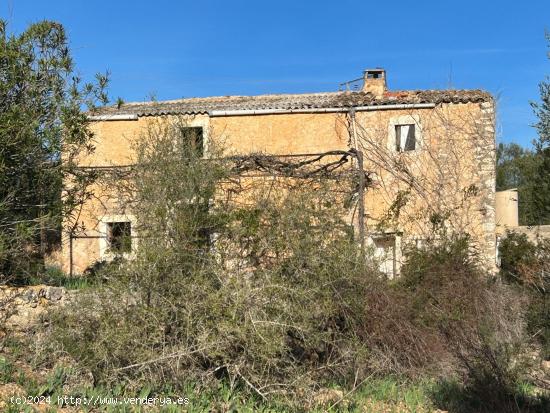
point(385, 254)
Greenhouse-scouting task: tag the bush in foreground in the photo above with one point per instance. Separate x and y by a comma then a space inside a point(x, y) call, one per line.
point(526, 264)
point(269, 294)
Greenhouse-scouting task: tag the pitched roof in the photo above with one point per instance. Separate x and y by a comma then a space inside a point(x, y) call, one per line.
point(293, 102)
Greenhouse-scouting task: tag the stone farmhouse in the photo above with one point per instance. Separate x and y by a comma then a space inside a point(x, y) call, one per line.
point(430, 156)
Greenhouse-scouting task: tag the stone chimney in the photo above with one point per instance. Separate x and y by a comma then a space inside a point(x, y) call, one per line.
point(374, 81)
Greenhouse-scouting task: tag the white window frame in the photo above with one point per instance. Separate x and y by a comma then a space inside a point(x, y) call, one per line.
point(405, 120)
point(104, 250)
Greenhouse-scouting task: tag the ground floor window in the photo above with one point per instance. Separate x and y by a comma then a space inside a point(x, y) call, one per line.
point(119, 237)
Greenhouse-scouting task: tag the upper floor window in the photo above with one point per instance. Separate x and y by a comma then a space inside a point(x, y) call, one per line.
point(192, 141)
point(405, 133)
point(405, 138)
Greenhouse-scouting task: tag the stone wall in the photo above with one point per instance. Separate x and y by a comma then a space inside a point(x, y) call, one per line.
point(23, 307)
point(486, 159)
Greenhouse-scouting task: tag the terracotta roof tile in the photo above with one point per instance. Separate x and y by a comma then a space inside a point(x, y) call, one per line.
point(293, 102)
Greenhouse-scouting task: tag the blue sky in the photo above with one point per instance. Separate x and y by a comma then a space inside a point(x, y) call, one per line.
point(174, 49)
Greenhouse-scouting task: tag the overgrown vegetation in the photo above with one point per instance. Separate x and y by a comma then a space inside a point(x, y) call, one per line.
point(266, 293)
point(527, 264)
point(478, 324)
point(41, 102)
point(250, 292)
point(54, 276)
point(386, 394)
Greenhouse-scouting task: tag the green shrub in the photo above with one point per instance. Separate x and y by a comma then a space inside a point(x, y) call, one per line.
point(477, 321)
point(516, 252)
point(527, 264)
point(266, 293)
point(54, 276)
point(7, 371)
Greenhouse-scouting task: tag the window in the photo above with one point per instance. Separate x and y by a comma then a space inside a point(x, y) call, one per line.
point(119, 237)
point(192, 141)
point(419, 243)
point(405, 134)
point(405, 138)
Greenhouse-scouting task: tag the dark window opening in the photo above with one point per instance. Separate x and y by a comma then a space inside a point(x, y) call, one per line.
point(375, 74)
point(405, 138)
point(119, 237)
point(192, 141)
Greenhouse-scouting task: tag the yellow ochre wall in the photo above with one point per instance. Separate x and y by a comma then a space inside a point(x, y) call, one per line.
point(468, 143)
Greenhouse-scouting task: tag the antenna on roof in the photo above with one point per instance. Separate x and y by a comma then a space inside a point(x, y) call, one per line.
point(351, 85)
point(450, 80)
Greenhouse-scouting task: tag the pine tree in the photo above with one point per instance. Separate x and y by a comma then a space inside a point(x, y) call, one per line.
point(541, 182)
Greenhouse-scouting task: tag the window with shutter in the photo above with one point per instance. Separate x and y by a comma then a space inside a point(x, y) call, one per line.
point(405, 138)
